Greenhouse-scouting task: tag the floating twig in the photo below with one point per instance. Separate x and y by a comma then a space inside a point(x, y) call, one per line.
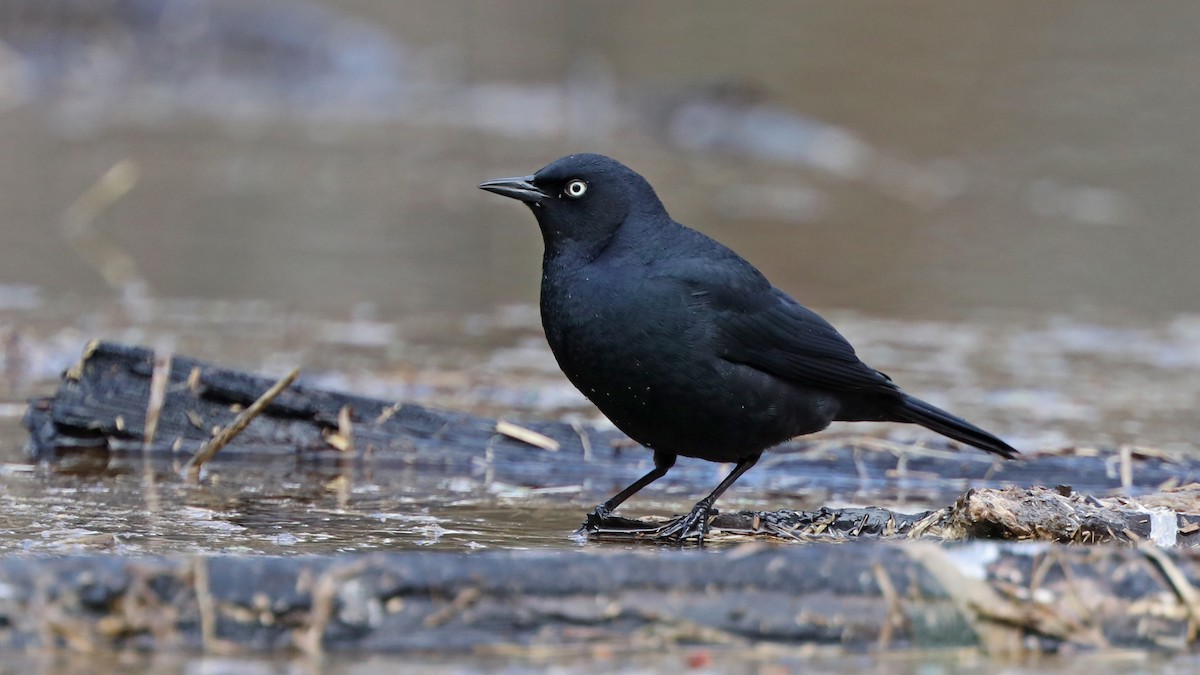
point(222, 437)
point(461, 602)
point(524, 435)
point(159, 379)
point(343, 438)
point(310, 638)
point(1184, 590)
point(584, 440)
point(1126, 468)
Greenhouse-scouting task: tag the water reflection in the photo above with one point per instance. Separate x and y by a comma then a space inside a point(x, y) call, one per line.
point(272, 510)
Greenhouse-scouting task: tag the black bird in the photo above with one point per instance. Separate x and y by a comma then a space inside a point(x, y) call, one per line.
point(683, 344)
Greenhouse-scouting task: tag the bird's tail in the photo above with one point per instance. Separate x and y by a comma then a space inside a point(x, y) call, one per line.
point(916, 411)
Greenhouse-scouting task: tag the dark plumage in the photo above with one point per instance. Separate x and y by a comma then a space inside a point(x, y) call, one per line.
point(683, 344)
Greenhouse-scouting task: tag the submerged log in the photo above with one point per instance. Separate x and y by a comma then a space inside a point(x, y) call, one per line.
point(102, 403)
point(1002, 598)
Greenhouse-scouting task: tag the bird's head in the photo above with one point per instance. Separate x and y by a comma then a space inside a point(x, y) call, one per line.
point(581, 201)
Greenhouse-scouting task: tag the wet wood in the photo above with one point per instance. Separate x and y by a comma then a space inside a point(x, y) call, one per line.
point(101, 404)
point(1170, 518)
point(998, 597)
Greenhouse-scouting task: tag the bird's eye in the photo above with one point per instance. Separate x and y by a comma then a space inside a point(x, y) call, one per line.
point(575, 189)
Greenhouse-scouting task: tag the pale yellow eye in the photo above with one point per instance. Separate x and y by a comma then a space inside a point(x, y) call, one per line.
point(575, 189)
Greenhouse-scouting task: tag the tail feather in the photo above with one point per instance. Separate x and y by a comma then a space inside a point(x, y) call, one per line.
point(916, 411)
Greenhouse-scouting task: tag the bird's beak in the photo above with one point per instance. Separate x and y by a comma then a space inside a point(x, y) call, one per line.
point(518, 188)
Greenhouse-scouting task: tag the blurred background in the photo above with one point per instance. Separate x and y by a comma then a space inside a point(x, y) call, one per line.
point(995, 202)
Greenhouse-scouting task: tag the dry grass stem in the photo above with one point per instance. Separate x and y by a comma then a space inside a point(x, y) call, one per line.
point(524, 435)
point(222, 438)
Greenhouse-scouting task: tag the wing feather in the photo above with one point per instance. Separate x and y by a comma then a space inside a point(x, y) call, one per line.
point(760, 326)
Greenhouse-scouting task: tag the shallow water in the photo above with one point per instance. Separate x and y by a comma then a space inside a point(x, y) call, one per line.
point(1047, 384)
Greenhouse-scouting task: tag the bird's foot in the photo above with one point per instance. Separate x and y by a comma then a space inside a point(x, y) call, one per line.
point(593, 523)
point(694, 524)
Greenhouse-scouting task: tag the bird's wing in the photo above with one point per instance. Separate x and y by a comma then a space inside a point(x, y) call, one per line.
point(760, 326)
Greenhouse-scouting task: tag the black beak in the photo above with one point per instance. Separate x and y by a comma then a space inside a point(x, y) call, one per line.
point(518, 188)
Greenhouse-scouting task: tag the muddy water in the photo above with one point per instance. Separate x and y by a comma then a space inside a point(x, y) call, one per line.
point(1045, 383)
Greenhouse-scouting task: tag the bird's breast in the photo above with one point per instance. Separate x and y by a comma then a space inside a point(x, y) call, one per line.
point(613, 336)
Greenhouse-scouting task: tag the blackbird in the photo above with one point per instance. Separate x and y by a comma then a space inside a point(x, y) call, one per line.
point(685, 345)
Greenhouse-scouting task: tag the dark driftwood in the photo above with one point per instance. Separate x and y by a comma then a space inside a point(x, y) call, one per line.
point(101, 403)
point(1169, 518)
point(101, 407)
point(1004, 598)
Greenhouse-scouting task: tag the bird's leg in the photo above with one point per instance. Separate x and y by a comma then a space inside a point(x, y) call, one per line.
point(695, 523)
point(662, 463)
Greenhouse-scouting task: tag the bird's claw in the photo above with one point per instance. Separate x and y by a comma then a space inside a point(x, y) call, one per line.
point(594, 522)
point(694, 524)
